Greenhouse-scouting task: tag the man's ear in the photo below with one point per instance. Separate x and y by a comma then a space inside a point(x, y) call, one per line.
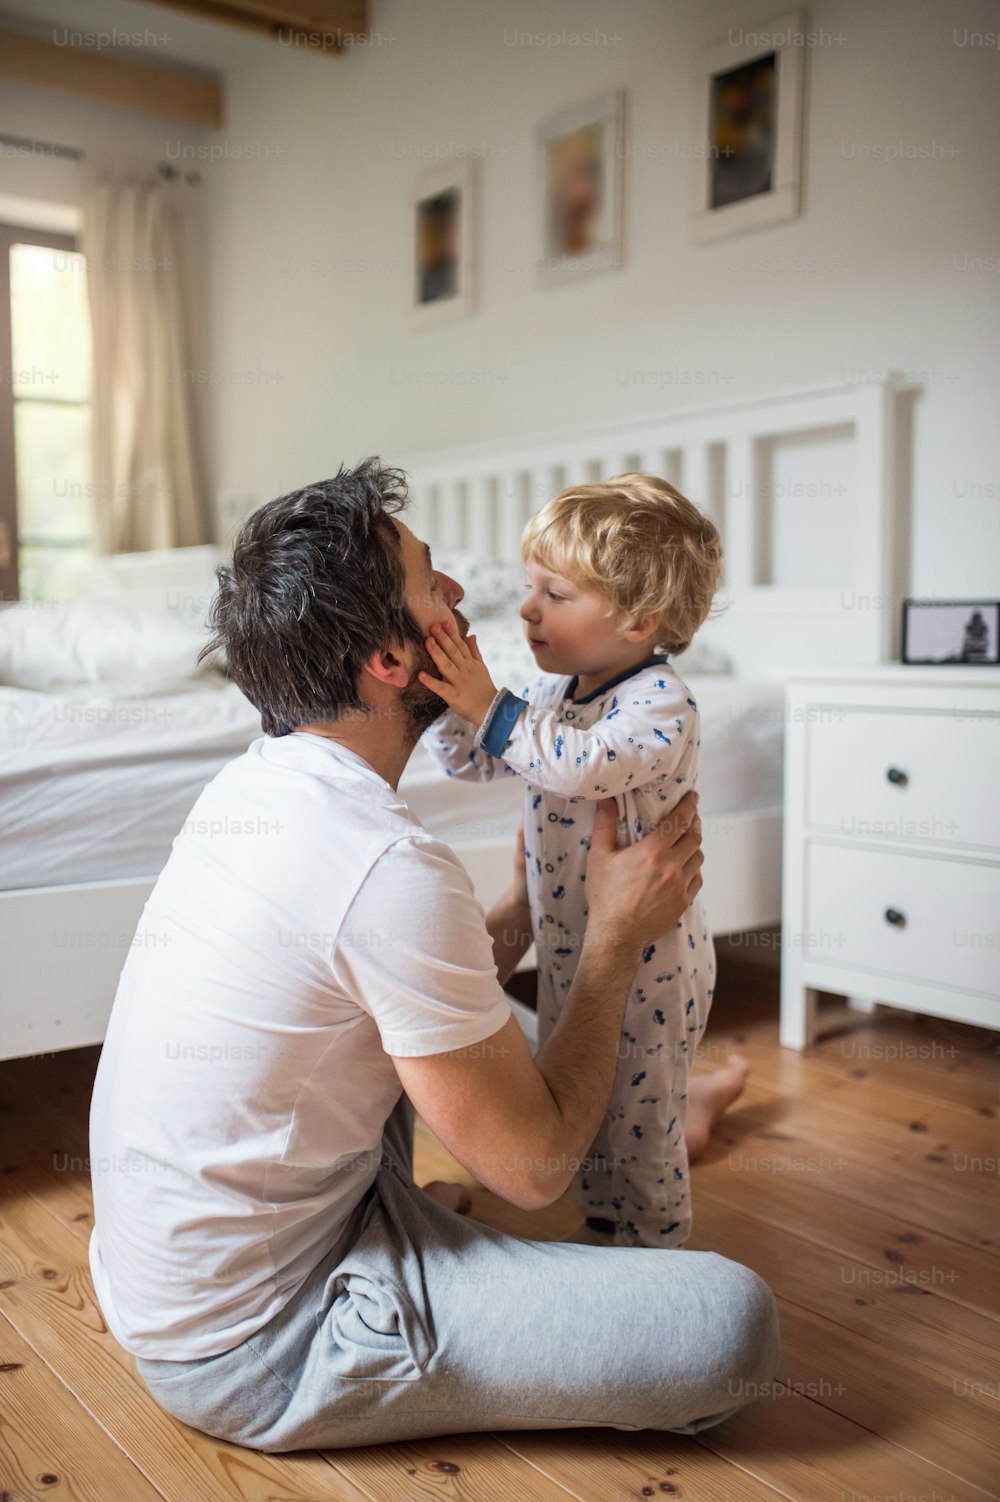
point(389, 666)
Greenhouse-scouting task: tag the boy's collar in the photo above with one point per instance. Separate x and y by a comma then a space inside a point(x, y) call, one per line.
point(650, 662)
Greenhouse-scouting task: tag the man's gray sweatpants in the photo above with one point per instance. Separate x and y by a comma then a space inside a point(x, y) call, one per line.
point(421, 1322)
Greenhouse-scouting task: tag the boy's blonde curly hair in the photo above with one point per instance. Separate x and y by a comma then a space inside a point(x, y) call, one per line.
point(641, 543)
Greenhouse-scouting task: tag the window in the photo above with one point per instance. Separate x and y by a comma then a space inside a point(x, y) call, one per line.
point(46, 490)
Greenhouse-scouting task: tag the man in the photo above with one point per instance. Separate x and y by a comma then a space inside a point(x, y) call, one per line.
point(259, 1245)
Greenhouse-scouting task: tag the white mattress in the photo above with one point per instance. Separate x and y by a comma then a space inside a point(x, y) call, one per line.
point(95, 787)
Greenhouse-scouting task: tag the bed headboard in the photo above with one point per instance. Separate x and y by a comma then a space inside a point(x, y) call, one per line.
point(803, 486)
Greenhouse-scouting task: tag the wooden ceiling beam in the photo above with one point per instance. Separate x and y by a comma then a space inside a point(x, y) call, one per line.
point(320, 25)
point(160, 91)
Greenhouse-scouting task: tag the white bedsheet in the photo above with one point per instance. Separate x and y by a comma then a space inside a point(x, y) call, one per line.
point(94, 786)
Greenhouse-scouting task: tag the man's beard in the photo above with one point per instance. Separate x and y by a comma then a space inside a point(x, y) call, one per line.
point(421, 705)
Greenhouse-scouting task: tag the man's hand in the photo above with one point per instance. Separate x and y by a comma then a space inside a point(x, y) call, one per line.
point(637, 893)
point(509, 920)
point(519, 890)
point(465, 684)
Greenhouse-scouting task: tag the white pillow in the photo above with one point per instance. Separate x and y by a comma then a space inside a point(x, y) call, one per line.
point(192, 610)
point(44, 645)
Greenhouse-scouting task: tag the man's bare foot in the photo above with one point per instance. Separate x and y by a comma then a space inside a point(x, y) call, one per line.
point(452, 1196)
point(709, 1095)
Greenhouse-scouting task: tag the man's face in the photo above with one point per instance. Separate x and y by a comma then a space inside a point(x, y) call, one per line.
point(431, 596)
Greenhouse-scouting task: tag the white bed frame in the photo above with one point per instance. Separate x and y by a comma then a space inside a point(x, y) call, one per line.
point(478, 498)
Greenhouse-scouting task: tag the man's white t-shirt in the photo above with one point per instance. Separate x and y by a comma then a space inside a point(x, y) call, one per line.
point(304, 928)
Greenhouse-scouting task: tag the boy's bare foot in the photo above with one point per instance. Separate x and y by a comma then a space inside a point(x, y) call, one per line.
point(709, 1095)
point(452, 1196)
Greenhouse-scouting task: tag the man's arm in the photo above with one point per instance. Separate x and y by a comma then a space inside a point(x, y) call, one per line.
point(523, 1125)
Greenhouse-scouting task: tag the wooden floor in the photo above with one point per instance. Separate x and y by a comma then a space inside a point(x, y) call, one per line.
point(859, 1179)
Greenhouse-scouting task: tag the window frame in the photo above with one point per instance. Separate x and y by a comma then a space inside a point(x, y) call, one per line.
point(10, 235)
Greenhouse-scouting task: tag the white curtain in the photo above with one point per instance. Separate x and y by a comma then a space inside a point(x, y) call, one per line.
point(147, 481)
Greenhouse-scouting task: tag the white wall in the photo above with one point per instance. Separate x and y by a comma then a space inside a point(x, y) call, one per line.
point(309, 355)
point(869, 276)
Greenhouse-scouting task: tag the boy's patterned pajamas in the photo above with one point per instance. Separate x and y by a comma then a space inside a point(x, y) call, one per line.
point(636, 740)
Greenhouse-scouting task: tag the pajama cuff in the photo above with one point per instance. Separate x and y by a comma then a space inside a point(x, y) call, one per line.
point(501, 717)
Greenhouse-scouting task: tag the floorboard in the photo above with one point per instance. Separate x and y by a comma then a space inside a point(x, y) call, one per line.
point(858, 1177)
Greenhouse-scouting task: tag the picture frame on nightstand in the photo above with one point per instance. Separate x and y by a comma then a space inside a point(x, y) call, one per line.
point(939, 632)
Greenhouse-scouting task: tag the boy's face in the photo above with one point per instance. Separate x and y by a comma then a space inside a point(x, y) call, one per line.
point(571, 628)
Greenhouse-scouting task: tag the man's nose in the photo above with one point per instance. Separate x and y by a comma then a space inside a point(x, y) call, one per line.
point(451, 589)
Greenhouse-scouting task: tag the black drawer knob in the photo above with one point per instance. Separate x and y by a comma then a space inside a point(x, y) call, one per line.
point(898, 777)
point(895, 917)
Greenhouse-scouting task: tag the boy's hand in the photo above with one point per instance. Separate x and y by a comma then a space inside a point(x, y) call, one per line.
point(465, 684)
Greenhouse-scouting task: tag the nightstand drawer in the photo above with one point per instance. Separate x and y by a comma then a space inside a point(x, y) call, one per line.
point(919, 917)
point(913, 775)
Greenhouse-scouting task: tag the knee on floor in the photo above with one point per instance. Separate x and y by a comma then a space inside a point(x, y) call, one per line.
point(753, 1335)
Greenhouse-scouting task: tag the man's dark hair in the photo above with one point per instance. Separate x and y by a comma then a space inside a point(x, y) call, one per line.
point(315, 586)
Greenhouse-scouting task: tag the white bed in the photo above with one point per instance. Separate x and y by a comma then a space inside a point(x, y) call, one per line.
point(95, 787)
point(97, 778)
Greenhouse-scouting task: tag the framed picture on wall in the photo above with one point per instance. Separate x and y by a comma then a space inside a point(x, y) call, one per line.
point(441, 228)
point(579, 189)
point(748, 128)
point(952, 631)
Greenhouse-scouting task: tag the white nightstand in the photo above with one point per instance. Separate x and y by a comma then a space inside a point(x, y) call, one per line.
point(891, 870)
